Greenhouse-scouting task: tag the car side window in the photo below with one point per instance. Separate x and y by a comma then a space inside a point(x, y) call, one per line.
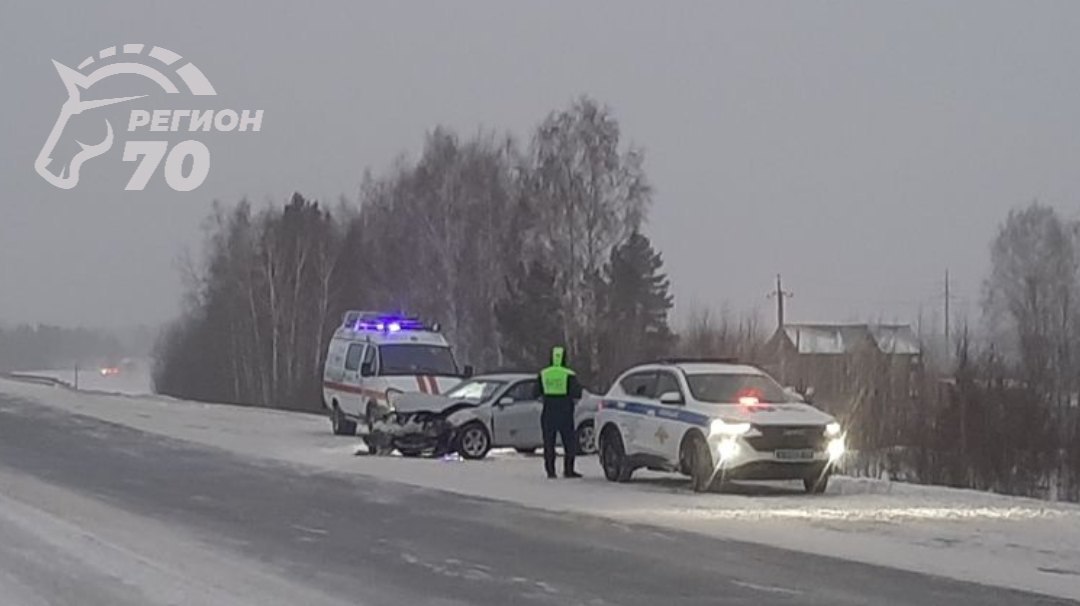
point(352, 358)
point(639, 384)
point(524, 391)
point(665, 382)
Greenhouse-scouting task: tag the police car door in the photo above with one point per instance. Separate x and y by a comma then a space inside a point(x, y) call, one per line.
point(637, 409)
point(667, 429)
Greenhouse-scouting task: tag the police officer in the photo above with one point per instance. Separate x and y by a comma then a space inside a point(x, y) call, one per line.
point(559, 388)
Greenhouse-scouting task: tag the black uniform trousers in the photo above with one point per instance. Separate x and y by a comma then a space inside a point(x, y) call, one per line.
point(557, 419)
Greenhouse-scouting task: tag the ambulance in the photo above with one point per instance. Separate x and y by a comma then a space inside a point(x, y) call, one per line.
point(373, 357)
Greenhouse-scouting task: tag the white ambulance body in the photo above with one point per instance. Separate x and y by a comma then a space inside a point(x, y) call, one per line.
point(374, 356)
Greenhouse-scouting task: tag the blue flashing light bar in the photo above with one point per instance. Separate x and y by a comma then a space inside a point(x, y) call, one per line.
point(384, 322)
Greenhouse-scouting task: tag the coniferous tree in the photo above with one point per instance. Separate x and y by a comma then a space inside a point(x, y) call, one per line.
point(528, 316)
point(636, 301)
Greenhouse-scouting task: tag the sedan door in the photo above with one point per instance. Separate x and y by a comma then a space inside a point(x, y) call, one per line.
point(516, 416)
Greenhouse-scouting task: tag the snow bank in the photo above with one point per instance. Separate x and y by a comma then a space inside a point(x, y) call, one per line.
point(987, 538)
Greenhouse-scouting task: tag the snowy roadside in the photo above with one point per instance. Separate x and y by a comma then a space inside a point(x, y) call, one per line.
point(967, 535)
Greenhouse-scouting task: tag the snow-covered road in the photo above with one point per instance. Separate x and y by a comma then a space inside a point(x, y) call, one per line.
point(990, 539)
point(58, 548)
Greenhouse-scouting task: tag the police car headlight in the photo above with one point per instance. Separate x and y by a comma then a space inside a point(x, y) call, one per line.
point(719, 427)
point(832, 430)
point(727, 449)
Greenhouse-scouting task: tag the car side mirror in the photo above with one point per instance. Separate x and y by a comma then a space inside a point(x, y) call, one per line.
point(468, 373)
point(366, 369)
point(671, 397)
point(506, 401)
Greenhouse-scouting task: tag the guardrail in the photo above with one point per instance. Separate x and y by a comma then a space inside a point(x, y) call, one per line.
point(37, 379)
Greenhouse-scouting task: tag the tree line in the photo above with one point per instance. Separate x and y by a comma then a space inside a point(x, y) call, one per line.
point(512, 247)
point(1002, 412)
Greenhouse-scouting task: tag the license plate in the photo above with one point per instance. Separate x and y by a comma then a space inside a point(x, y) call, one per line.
point(795, 455)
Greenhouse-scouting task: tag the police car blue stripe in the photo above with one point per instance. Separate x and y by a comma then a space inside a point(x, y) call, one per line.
point(664, 412)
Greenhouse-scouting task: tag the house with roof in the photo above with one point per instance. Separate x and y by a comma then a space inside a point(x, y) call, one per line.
point(841, 363)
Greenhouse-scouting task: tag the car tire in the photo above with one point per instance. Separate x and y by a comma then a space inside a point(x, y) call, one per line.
point(586, 438)
point(341, 424)
point(613, 457)
point(526, 451)
point(817, 484)
point(700, 463)
point(474, 441)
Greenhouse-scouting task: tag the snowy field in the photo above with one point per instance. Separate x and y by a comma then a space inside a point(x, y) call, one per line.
point(991, 539)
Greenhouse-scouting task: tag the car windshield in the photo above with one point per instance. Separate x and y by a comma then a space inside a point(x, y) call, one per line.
point(728, 388)
point(477, 391)
point(412, 359)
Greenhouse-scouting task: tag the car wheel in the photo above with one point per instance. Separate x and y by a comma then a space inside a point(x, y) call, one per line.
point(701, 464)
point(526, 451)
point(586, 438)
point(341, 425)
point(474, 441)
point(817, 484)
point(613, 457)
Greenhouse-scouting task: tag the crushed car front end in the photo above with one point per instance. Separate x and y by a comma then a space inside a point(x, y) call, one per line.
point(417, 425)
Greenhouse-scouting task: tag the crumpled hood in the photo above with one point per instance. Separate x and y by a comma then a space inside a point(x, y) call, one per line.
point(422, 402)
point(775, 414)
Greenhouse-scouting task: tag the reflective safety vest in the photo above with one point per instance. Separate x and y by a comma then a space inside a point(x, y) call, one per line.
point(555, 380)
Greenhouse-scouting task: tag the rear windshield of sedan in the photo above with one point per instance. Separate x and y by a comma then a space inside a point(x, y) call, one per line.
point(728, 388)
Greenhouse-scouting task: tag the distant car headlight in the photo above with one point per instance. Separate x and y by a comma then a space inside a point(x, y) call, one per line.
point(832, 430)
point(719, 427)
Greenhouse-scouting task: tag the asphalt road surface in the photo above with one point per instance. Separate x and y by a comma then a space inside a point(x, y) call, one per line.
point(95, 514)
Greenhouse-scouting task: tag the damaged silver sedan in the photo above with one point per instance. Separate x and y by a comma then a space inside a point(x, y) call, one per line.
point(481, 413)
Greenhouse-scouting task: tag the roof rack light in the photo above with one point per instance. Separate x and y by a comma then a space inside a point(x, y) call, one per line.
point(382, 322)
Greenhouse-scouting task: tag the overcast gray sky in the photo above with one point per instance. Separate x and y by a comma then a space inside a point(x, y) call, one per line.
point(859, 148)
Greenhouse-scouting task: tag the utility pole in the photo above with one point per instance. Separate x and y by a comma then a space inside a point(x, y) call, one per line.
point(780, 294)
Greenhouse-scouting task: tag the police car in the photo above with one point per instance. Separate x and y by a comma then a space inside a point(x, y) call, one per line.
point(714, 421)
point(373, 357)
